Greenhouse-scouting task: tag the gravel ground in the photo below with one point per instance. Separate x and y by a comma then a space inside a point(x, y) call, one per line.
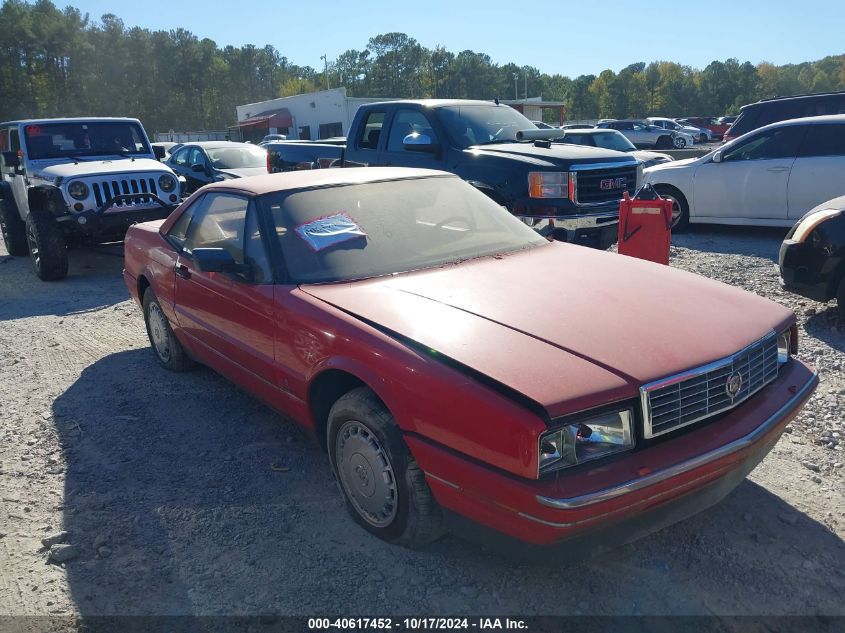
point(183, 495)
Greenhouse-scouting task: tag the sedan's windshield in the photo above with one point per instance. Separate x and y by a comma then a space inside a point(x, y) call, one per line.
point(483, 124)
point(358, 231)
point(237, 157)
point(84, 138)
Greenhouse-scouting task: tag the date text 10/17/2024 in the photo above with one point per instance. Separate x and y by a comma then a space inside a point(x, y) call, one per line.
point(416, 624)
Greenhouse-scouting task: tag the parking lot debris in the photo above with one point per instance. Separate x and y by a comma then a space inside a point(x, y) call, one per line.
point(63, 553)
point(53, 539)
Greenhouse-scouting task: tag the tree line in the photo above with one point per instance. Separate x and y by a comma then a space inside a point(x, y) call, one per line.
point(62, 63)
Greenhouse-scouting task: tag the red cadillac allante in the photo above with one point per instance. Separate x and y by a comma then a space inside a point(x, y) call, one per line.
point(454, 362)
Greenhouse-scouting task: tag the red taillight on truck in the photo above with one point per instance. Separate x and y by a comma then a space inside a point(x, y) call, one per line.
point(269, 169)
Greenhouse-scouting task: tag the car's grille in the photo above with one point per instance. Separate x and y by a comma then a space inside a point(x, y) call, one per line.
point(699, 393)
point(604, 185)
point(105, 190)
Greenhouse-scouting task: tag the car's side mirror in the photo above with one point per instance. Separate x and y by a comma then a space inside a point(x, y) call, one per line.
point(717, 157)
point(416, 142)
point(10, 160)
point(198, 167)
point(219, 260)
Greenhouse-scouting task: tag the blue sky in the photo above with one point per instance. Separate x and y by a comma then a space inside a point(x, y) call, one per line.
point(571, 38)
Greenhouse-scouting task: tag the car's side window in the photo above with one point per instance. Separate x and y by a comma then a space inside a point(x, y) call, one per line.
point(197, 157)
point(219, 223)
point(179, 231)
point(406, 122)
point(371, 131)
point(255, 253)
point(181, 157)
point(824, 140)
point(782, 142)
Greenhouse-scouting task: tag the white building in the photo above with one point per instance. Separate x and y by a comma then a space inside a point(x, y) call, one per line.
point(315, 115)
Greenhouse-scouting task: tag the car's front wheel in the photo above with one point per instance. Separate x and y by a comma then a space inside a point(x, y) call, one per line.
point(166, 347)
point(680, 206)
point(679, 142)
point(384, 489)
point(47, 247)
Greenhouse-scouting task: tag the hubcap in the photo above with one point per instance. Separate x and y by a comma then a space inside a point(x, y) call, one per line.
point(33, 246)
point(158, 332)
point(366, 474)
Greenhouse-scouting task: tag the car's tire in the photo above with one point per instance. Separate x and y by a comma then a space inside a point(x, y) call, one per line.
point(680, 206)
point(663, 142)
point(679, 142)
point(13, 228)
point(702, 138)
point(840, 300)
point(47, 247)
point(167, 349)
point(384, 489)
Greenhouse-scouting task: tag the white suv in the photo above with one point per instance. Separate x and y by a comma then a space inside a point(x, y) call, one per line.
point(769, 177)
point(86, 179)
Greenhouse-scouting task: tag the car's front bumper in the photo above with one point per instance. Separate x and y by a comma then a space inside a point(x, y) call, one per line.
point(599, 228)
point(628, 497)
point(802, 269)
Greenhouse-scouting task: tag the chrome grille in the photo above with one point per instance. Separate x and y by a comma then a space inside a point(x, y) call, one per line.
point(105, 190)
point(699, 393)
point(604, 185)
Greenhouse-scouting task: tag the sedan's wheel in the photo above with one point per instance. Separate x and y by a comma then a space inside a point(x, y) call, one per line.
point(385, 491)
point(680, 208)
point(167, 348)
point(679, 142)
point(47, 248)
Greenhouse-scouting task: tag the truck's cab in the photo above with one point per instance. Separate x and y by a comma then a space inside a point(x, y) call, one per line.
point(569, 192)
point(87, 179)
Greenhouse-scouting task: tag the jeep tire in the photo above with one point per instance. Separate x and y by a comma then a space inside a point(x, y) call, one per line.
point(47, 247)
point(13, 228)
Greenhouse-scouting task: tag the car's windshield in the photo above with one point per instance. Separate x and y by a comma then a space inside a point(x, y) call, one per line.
point(607, 140)
point(84, 138)
point(483, 124)
point(367, 230)
point(237, 157)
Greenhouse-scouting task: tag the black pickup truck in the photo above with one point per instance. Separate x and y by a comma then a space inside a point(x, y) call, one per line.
point(568, 192)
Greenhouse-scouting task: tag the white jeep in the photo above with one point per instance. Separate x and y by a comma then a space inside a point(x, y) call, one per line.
point(80, 179)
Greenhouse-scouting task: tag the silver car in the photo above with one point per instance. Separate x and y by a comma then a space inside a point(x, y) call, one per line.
point(646, 136)
point(612, 139)
point(698, 134)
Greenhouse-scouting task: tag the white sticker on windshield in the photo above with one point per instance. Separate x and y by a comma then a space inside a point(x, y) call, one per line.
point(329, 230)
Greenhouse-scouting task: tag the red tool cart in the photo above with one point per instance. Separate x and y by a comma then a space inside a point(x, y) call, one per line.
point(645, 226)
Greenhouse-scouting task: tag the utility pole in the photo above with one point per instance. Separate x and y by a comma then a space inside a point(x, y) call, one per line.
point(515, 89)
point(326, 71)
point(526, 87)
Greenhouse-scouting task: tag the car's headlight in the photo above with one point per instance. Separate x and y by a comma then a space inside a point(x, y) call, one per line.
point(548, 184)
point(809, 223)
point(787, 344)
point(581, 441)
point(78, 190)
point(166, 183)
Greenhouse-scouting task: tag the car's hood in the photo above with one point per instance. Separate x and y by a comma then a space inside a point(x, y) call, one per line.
point(645, 156)
point(563, 322)
point(90, 167)
point(244, 172)
point(557, 152)
point(675, 164)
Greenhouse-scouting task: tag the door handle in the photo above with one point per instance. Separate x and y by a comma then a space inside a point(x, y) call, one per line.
point(183, 271)
point(778, 169)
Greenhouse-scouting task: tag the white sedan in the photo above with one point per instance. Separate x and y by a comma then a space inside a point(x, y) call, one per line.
point(769, 177)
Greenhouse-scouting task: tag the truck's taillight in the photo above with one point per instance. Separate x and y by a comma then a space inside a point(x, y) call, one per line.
point(269, 170)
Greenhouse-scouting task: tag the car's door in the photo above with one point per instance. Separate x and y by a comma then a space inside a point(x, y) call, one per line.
point(819, 171)
point(406, 121)
point(750, 181)
point(369, 139)
point(229, 317)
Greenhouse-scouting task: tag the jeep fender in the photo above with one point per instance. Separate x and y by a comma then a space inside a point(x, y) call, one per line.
point(48, 198)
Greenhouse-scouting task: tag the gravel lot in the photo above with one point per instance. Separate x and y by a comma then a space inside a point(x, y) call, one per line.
point(183, 495)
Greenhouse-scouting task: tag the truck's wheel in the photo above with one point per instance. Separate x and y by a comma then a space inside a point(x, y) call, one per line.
point(47, 247)
point(385, 491)
point(13, 228)
point(166, 347)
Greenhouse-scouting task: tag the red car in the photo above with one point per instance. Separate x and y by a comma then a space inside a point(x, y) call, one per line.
point(713, 124)
point(402, 316)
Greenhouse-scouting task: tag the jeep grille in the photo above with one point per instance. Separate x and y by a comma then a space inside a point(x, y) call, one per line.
point(105, 190)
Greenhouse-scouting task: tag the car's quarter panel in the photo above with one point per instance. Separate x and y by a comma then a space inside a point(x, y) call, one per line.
point(609, 491)
point(813, 180)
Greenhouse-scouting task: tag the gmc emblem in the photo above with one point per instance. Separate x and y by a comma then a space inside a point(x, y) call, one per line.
point(611, 183)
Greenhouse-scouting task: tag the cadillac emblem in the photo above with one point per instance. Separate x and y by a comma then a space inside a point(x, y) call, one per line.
point(733, 385)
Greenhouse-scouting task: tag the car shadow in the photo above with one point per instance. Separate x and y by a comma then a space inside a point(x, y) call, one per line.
point(755, 241)
point(184, 495)
point(826, 326)
point(94, 280)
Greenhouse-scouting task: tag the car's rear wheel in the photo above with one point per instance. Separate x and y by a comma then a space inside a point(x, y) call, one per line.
point(13, 228)
point(664, 142)
point(47, 247)
point(167, 349)
point(384, 489)
point(702, 138)
point(680, 207)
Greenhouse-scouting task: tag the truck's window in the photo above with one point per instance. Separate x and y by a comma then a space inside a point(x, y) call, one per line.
point(4, 140)
point(369, 133)
point(824, 140)
point(219, 223)
point(404, 123)
point(14, 140)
